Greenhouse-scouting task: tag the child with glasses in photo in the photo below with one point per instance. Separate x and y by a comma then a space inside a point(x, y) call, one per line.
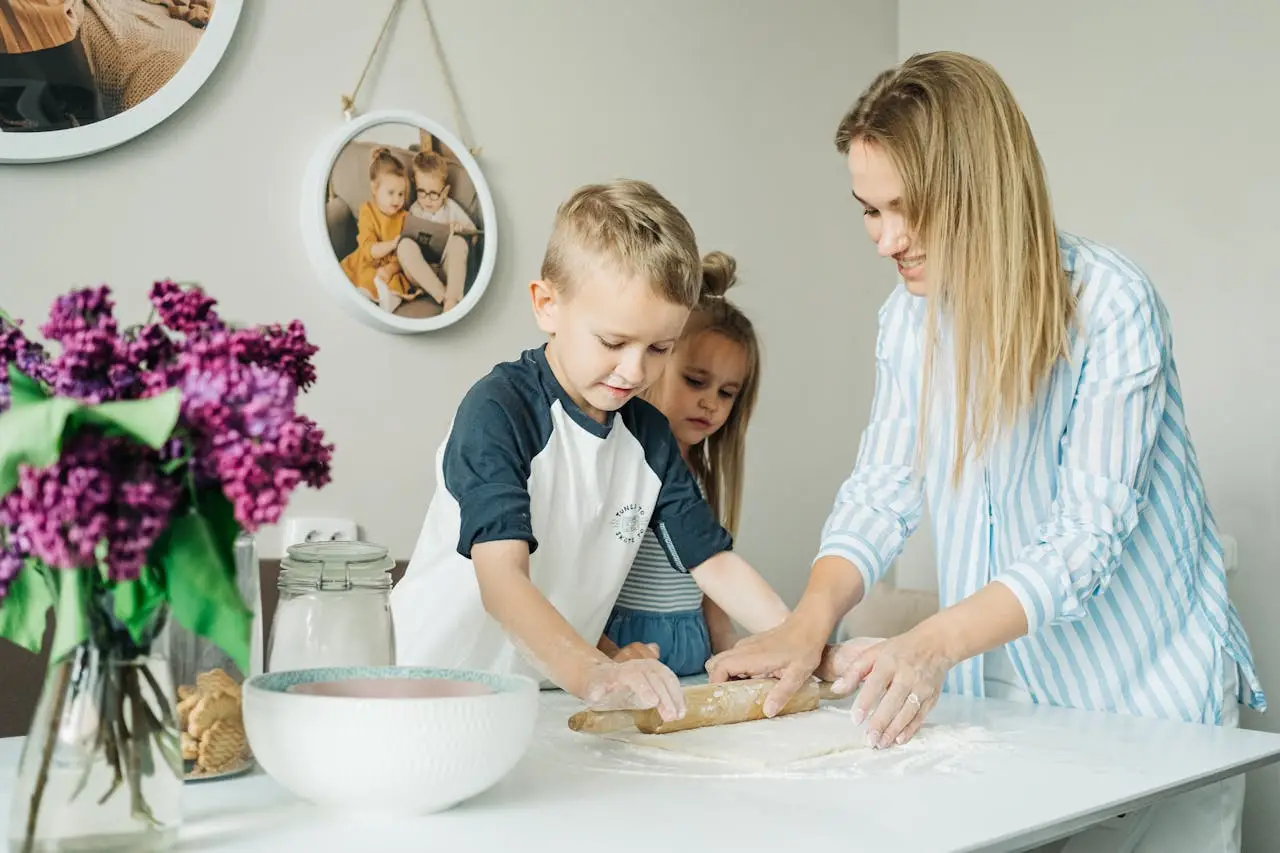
point(425, 245)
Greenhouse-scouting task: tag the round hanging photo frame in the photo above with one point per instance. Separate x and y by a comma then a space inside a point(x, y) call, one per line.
point(78, 79)
point(399, 222)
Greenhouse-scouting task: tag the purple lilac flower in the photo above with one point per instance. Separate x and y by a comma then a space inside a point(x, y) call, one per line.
point(187, 310)
point(94, 366)
point(11, 562)
point(149, 347)
point(238, 427)
point(285, 349)
point(78, 311)
point(16, 347)
point(248, 437)
point(101, 489)
point(93, 363)
point(29, 357)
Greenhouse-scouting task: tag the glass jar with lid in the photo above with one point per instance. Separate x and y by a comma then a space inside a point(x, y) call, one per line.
point(334, 607)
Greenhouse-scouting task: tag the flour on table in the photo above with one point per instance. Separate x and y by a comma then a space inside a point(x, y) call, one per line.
point(761, 743)
point(820, 744)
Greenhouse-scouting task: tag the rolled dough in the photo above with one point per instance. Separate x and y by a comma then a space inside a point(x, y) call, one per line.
point(760, 743)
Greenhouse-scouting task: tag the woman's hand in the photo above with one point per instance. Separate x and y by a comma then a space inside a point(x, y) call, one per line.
point(789, 653)
point(900, 679)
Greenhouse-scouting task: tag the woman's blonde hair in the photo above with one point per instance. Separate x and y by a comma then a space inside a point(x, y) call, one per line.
point(719, 461)
point(975, 195)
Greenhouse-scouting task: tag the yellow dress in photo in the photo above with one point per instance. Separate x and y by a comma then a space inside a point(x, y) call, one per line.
point(374, 226)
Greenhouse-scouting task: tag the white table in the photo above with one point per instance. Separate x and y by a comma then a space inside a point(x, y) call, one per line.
point(1054, 772)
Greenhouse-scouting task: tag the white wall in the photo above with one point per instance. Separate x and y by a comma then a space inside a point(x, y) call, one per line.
point(1160, 144)
point(728, 107)
point(1157, 122)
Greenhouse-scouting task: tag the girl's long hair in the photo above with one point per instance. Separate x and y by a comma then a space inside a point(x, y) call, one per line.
point(719, 461)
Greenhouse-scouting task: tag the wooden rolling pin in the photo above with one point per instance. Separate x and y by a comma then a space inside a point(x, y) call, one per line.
point(706, 705)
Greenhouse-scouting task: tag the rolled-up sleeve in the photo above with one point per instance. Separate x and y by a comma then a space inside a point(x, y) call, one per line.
point(878, 506)
point(1105, 454)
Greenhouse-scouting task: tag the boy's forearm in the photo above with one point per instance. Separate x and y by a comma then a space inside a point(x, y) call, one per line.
point(729, 581)
point(534, 625)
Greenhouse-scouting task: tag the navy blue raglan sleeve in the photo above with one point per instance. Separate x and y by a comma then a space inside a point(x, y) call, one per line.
point(486, 464)
point(683, 522)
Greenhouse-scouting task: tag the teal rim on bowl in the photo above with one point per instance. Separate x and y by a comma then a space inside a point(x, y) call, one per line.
point(281, 682)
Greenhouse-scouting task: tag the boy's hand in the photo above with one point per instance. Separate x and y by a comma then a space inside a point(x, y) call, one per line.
point(634, 685)
point(637, 651)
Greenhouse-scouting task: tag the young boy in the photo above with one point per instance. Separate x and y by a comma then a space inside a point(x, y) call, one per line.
point(446, 245)
point(553, 470)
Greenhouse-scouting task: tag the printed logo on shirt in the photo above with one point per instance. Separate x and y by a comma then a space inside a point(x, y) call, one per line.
point(629, 523)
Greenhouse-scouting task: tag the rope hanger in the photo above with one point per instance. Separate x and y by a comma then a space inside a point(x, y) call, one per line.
point(349, 101)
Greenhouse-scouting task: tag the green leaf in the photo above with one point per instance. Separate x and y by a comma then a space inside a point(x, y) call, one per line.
point(33, 433)
point(137, 601)
point(150, 421)
point(71, 611)
point(23, 390)
point(203, 596)
point(221, 515)
point(24, 611)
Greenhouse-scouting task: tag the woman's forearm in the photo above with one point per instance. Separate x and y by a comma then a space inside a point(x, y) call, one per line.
point(986, 620)
point(834, 588)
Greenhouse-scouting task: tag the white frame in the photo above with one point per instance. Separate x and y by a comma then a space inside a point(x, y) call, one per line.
point(52, 145)
point(315, 231)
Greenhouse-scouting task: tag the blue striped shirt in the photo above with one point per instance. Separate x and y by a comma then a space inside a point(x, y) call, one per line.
point(655, 586)
point(1090, 508)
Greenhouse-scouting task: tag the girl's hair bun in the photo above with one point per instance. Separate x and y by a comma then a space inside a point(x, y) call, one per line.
point(719, 273)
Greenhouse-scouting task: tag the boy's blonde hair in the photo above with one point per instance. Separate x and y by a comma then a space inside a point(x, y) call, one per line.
point(630, 225)
point(719, 461)
point(431, 163)
point(975, 194)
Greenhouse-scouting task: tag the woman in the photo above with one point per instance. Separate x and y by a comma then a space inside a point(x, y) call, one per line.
point(1025, 385)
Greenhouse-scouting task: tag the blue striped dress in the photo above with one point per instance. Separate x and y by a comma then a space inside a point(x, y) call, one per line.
point(1090, 508)
point(661, 604)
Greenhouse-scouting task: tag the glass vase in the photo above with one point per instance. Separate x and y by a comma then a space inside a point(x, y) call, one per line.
point(102, 766)
point(199, 668)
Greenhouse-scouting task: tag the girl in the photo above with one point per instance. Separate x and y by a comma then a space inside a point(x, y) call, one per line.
point(1025, 387)
point(707, 392)
point(372, 265)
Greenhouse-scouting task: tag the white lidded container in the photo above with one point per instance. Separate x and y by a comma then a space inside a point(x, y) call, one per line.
point(334, 608)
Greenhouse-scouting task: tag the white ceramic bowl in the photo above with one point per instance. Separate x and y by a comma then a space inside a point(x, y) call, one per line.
point(389, 739)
